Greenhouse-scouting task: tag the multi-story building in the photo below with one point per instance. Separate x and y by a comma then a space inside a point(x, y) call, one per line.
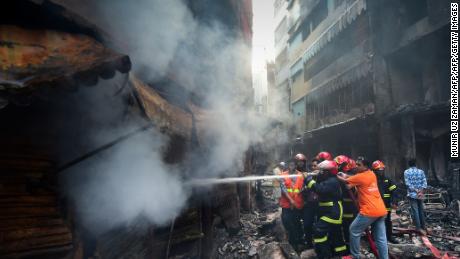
point(370, 78)
point(279, 91)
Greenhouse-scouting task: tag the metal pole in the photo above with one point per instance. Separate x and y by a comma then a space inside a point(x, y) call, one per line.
point(103, 148)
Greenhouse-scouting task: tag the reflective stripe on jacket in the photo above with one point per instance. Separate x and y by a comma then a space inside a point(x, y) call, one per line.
point(294, 190)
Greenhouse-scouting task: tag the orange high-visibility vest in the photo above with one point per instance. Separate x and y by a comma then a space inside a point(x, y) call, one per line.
point(293, 190)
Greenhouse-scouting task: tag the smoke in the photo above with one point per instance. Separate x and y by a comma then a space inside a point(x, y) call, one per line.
point(150, 30)
point(125, 183)
point(207, 58)
point(119, 185)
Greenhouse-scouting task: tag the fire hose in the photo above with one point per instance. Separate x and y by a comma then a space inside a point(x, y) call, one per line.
point(436, 253)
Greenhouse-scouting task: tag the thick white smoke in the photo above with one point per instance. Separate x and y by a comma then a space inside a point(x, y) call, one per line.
point(162, 38)
point(150, 30)
point(125, 183)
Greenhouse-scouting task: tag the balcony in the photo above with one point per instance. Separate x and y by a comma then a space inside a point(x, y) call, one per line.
point(329, 28)
point(339, 117)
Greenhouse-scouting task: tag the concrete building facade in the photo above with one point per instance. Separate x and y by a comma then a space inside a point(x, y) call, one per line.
point(370, 78)
point(278, 86)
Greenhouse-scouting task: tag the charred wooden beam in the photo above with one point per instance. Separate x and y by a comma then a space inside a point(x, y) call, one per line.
point(36, 243)
point(20, 223)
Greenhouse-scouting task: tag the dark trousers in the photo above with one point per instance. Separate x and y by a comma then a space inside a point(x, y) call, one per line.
point(310, 211)
point(389, 225)
point(346, 222)
point(349, 214)
point(291, 222)
point(328, 239)
point(417, 213)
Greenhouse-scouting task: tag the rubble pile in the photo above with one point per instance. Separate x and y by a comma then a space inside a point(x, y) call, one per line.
point(261, 236)
point(443, 225)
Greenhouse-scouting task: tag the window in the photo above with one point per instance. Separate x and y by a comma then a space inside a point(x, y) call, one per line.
point(298, 108)
point(295, 41)
point(296, 68)
point(305, 28)
point(319, 13)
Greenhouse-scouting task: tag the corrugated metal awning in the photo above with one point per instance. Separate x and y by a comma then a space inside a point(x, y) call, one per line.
point(354, 73)
point(348, 16)
point(33, 59)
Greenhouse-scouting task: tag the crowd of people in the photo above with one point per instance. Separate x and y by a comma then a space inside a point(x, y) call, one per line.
point(329, 203)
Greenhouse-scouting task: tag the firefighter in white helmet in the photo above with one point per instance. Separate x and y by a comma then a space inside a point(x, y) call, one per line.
point(291, 201)
point(327, 237)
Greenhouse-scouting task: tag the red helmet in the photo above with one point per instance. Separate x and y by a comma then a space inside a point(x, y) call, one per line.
point(300, 157)
point(329, 165)
point(324, 156)
point(350, 165)
point(341, 159)
point(378, 165)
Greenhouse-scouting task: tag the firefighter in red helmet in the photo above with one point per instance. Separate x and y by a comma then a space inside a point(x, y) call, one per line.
point(386, 188)
point(323, 155)
point(292, 202)
point(328, 237)
point(346, 165)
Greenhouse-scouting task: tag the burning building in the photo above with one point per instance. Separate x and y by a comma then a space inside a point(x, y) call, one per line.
point(368, 78)
point(76, 113)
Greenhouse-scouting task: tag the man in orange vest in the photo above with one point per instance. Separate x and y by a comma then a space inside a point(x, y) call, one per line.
point(291, 202)
point(372, 211)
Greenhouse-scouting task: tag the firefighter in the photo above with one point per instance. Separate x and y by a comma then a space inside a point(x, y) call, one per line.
point(350, 211)
point(282, 166)
point(291, 202)
point(310, 210)
point(314, 164)
point(323, 155)
point(327, 235)
point(386, 189)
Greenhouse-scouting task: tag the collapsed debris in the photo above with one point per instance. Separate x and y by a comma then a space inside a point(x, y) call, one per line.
point(263, 236)
point(443, 225)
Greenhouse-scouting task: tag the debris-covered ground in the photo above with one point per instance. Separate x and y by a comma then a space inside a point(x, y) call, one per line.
point(262, 234)
point(443, 225)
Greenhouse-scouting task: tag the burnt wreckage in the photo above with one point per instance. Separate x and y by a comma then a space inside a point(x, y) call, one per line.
point(56, 66)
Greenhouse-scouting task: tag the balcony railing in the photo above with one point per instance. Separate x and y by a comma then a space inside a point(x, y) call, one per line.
point(316, 42)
